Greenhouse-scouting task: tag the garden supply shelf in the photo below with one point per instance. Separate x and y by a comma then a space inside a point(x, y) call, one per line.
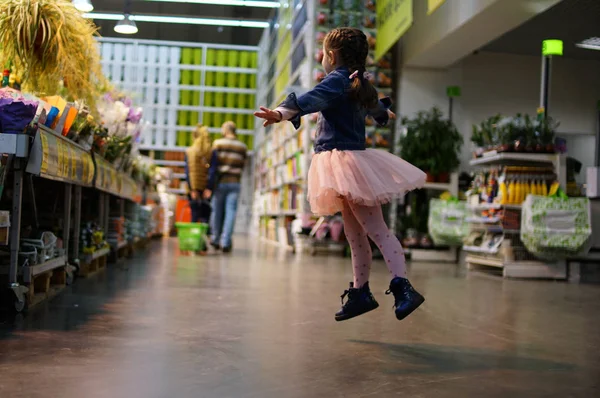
point(53, 157)
point(480, 259)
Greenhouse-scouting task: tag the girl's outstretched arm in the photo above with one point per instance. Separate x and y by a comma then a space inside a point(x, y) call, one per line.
point(324, 95)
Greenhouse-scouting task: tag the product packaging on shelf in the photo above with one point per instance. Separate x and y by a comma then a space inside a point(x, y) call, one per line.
point(556, 227)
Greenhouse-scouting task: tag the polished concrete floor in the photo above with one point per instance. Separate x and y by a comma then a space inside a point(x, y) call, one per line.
point(259, 323)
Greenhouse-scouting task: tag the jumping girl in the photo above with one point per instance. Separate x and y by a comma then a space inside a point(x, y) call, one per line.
point(346, 177)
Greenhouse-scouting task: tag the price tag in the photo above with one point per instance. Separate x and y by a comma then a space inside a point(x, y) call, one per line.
point(74, 161)
point(67, 165)
point(45, 153)
point(90, 169)
point(59, 158)
point(84, 167)
point(65, 160)
point(114, 181)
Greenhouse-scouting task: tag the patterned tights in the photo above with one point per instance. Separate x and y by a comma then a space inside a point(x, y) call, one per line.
point(362, 223)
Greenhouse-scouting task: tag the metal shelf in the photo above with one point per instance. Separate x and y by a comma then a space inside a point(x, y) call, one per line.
point(483, 220)
point(515, 158)
point(191, 87)
point(282, 213)
point(493, 206)
point(478, 249)
point(438, 186)
point(192, 128)
point(160, 162)
point(520, 269)
point(197, 108)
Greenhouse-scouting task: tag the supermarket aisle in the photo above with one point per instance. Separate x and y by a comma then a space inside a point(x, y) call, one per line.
point(260, 324)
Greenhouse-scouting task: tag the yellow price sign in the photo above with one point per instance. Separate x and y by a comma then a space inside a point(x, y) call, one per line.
point(74, 161)
point(45, 152)
point(90, 169)
point(60, 158)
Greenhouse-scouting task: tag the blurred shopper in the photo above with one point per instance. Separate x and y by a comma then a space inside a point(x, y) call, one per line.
point(230, 153)
point(198, 159)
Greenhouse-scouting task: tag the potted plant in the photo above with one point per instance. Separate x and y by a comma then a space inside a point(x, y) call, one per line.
point(523, 130)
point(432, 143)
point(415, 148)
point(547, 133)
point(487, 135)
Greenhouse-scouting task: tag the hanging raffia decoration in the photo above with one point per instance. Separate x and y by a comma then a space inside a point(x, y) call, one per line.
point(50, 42)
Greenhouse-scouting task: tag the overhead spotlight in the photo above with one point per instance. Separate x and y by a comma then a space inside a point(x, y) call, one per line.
point(83, 5)
point(126, 26)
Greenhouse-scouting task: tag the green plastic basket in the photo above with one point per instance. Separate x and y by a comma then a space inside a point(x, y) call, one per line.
point(191, 235)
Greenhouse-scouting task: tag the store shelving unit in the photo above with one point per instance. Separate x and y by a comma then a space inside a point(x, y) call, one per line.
point(60, 165)
point(282, 153)
point(515, 262)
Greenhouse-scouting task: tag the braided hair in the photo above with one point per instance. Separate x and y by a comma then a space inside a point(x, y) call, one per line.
point(353, 49)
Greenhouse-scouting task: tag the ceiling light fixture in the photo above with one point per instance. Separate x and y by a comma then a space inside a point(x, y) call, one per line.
point(126, 25)
point(83, 5)
point(179, 20)
point(243, 3)
point(593, 43)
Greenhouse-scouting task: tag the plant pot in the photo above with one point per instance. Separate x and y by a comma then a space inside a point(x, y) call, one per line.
point(443, 177)
point(430, 177)
point(550, 148)
point(505, 148)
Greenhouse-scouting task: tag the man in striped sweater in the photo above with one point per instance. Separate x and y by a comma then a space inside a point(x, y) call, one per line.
point(226, 176)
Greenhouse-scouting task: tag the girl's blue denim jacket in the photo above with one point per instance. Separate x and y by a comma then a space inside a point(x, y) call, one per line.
point(341, 124)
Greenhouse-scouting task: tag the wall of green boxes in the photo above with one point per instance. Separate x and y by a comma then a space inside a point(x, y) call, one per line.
point(227, 102)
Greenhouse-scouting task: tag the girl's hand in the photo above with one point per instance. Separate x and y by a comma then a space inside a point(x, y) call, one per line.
point(270, 116)
point(391, 115)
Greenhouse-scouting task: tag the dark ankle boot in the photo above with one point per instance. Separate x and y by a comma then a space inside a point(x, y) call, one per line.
point(406, 298)
point(359, 302)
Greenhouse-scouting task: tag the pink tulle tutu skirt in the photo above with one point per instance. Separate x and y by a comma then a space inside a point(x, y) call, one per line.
point(370, 177)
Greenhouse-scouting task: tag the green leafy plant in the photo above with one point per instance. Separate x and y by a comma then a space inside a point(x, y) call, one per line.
point(486, 134)
point(547, 133)
point(49, 41)
point(431, 142)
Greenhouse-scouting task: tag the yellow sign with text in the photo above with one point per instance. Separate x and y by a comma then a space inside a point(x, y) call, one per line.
point(433, 5)
point(394, 17)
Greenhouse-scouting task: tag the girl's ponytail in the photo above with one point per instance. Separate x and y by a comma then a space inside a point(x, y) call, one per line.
point(353, 48)
point(362, 90)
